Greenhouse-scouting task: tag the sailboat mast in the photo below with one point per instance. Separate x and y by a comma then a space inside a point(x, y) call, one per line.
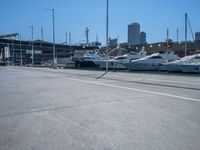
point(177, 35)
point(66, 37)
point(186, 33)
point(167, 40)
point(42, 34)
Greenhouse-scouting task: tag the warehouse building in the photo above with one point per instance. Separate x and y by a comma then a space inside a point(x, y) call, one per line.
point(14, 51)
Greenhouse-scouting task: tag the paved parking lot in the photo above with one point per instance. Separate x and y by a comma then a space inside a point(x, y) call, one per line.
point(42, 109)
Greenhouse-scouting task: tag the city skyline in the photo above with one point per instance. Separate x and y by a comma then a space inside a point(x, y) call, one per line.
point(76, 15)
point(134, 34)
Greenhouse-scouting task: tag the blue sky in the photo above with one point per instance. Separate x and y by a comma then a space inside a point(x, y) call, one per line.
point(154, 16)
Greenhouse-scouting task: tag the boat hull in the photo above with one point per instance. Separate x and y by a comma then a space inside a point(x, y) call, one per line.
point(85, 64)
point(172, 68)
point(142, 66)
point(190, 68)
point(111, 65)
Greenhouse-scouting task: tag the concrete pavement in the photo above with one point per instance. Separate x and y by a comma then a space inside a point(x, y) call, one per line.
point(41, 109)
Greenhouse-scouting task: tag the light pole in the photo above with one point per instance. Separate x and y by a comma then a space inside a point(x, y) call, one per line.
point(42, 34)
point(32, 45)
point(66, 37)
point(107, 17)
point(13, 51)
point(20, 47)
point(70, 40)
point(54, 50)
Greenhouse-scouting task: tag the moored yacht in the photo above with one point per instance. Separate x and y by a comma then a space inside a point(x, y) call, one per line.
point(151, 62)
point(87, 59)
point(174, 66)
point(192, 66)
point(116, 62)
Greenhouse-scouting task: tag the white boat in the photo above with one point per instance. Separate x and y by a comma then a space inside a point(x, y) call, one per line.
point(175, 65)
point(93, 56)
point(116, 62)
point(87, 60)
point(190, 68)
point(151, 62)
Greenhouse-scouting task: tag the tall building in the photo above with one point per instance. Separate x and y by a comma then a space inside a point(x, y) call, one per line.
point(197, 36)
point(143, 38)
point(134, 34)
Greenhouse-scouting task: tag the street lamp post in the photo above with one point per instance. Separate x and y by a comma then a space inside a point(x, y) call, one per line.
point(13, 52)
point(54, 50)
point(32, 45)
point(42, 34)
point(107, 17)
point(20, 46)
point(66, 37)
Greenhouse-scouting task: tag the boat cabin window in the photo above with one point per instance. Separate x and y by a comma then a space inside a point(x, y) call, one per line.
point(197, 57)
point(133, 59)
point(89, 58)
point(120, 58)
point(155, 57)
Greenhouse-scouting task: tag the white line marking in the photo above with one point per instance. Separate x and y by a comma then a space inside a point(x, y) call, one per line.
point(134, 89)
point(134, 77)
point(127, 77)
